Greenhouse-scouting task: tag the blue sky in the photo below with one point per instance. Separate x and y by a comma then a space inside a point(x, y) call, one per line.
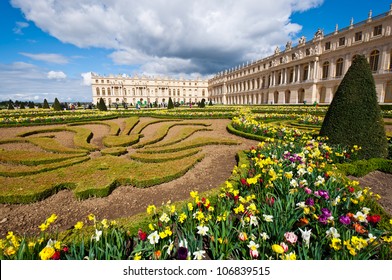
point(49, 47)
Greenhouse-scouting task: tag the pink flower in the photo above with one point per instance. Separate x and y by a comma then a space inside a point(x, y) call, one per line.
point(307, 190)
point(291, 237)
point(254, 254)
point(284, 246)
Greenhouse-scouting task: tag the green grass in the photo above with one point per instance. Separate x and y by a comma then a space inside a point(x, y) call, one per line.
point(33, 158)
point(188, 144)
point(58, 167)
point(143, 157)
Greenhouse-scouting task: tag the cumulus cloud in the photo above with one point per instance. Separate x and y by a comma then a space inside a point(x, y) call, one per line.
point(56, 75)
point(19, 26)
point(171, 36)
point(86, 79)
point(47, 57)
point(25, 81)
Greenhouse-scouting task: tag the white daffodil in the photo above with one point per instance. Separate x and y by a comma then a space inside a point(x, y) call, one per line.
point(97, 235)
point(199, 255)
point(332, 233)
point(305, 234)
point(202, 230)
point(268, 218)
point(153, 237)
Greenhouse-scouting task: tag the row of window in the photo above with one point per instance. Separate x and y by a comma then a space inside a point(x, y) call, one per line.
point(358, 36)
point(108, 82)
point(103, 91)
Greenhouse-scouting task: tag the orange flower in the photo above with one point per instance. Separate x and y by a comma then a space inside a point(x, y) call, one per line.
point(157, 254)
point(358, 228)
point(303, 222)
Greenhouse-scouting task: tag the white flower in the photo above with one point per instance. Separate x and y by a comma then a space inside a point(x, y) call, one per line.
point(268, 218)
point(365, 210)
point(153, 238)
point(164, 218)
point(97, 236)
point(170, 247)
point(320, 181)
point(332, 232)
point(301, 204)
point(183, 243)
point(301, 172)
point(294, 183)
point(305, 234)
point(358, 194)
point(51, 243)
point(304, 182)
point(253, 220)
point(264, 236)
point(336, 201)
point(202, 230)
point(253, 246)
point(199, 255)
point(360, 217)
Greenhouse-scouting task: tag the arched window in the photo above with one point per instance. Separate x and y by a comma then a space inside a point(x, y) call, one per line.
point(339, 67)
point(374, 56)
point(97, 90)
point(109, 93)
point(325, 70)
point(103, 91)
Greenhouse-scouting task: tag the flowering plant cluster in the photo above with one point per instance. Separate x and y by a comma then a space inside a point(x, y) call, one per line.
point(290, 204)
point(310, 119)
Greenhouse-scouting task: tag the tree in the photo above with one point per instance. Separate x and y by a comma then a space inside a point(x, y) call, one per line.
point(354, 116)
point(210, 104)
point(56, 105)
point(170, 104)
point(11, 105)
point(202, 104)
point(46, 104)
point(31, 105)
point(101, 105)
point(22, 106)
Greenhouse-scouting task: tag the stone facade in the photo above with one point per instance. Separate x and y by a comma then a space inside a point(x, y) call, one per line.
point(312, 70)
point(144, 90)
point(309, 72)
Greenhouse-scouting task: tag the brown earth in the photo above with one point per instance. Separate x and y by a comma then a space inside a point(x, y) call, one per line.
point(126, 201)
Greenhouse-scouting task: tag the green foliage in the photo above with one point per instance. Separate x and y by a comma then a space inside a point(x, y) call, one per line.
point(354, 116)
point(101, 105)
point(31, 105)
point(22, 106)
point(202, 103)
point(210, 103)
point(115, 151)
point(46, 104)
point(170, 104)
point(56, 105)
point(10, 106)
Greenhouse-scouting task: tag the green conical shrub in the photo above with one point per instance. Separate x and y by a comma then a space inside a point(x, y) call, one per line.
point(10, 105)
point(46, 104)
point(170, 104)
point(56, 105)
point(101, 105)
point(22, 106)
point(354, 116)
point(31, 105)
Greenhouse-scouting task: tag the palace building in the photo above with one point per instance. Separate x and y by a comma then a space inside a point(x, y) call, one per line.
point(146, 90)
point(309, 72)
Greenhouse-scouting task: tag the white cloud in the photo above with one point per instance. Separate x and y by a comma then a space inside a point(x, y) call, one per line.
point(86, 79)
point(199, 36)
point(47, 57)
point(56, 75)
point(24, 81)
point(19, 26)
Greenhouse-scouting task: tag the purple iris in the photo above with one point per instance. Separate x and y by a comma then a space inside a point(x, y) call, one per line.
point(324, 194)
point(309, 201)
point(326, 212)
point(323, 219)
point(182, 253)
point(344, 220)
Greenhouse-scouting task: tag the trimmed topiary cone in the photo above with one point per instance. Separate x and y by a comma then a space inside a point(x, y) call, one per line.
point(170, 104)
point(354, 116)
